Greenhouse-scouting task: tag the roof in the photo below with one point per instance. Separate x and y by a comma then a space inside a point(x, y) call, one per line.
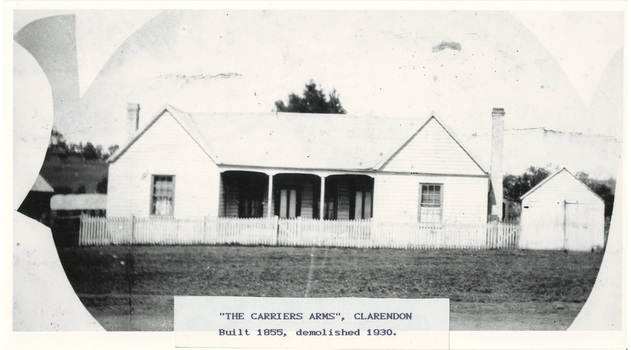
point(87, 201)
point(449, 132)
point(295, 140)
point(41, 185)
point(540, 184)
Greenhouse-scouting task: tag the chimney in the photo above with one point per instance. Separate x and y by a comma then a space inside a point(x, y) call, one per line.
point(133, 115)
point(497, 160)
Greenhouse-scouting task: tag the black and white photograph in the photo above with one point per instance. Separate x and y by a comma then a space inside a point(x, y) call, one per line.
point(415, 153)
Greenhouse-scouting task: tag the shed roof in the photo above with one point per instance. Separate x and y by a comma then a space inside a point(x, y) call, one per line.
point(547, 179)
point(41, 185)
point(294, 140)
point(87, 201)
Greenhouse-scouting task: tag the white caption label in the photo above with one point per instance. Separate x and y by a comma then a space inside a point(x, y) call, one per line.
point(311, 322)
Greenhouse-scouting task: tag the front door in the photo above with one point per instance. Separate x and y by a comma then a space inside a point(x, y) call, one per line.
point(289, 204)
point(363, 205)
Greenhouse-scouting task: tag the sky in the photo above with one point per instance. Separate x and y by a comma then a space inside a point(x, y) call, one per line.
point(380, 62)
point(558, 70)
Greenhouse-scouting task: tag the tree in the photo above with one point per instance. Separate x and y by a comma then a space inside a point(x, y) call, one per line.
point(313, 100)
point(605, 189)
point(62, 189)
point(57, 145)
point(517, 186)
point(111, 149)
point(81, 189)
point(90, 152)
point(101, 186)
point(99, 151)
point(56, 137)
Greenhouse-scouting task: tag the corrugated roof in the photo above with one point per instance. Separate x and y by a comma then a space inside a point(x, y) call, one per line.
point(87, 201)
point(293, 140)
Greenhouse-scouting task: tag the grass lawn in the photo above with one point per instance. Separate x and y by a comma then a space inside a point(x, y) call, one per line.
point(74, 172)
point(488, 289)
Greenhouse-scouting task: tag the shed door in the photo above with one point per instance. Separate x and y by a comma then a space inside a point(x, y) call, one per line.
point(579, 226)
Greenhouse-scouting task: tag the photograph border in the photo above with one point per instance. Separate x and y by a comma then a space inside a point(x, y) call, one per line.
point(611, 282)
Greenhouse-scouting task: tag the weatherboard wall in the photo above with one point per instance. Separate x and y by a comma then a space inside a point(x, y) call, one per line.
point(229, 203)
point(343, 201)
point(397, 197)
point(562, 213)
point(433, 150)
point(164, 149)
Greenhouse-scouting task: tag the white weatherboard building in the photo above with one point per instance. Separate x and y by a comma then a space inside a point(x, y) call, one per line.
point(562, 213)
point(336, 167)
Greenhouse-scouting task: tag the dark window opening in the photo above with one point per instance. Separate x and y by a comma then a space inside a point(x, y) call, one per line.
point(330, 202)
point(250, 206)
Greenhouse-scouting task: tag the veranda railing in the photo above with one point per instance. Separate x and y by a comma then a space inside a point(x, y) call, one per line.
point(296, 232)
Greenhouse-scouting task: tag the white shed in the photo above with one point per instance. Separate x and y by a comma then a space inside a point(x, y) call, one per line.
point(561, 212)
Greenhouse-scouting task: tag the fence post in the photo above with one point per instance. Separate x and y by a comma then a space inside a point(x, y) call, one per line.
point(277, 227)
point(81, 224)
point(133, 228)
point(517, 234)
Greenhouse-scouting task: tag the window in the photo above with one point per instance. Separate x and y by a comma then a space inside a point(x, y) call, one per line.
point(162, 195)
point(363, 205)
point(251, 204)
point(430, 207)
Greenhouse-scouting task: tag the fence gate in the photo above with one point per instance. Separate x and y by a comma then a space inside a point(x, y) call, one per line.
point(502, 235)
point(287, 232)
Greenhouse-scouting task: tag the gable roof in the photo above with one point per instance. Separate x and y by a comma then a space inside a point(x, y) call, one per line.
point(183, 118)
point(547, 179)
point(381, 165)
point(294, 140)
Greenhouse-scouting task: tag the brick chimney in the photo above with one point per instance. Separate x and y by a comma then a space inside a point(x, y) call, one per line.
point(497, 160)
point(133, 115)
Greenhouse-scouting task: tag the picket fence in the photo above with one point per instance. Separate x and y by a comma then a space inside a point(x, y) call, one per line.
point(295, 232)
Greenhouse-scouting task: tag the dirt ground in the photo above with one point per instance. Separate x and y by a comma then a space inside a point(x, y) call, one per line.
point(488, 290)
point(512, 316)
